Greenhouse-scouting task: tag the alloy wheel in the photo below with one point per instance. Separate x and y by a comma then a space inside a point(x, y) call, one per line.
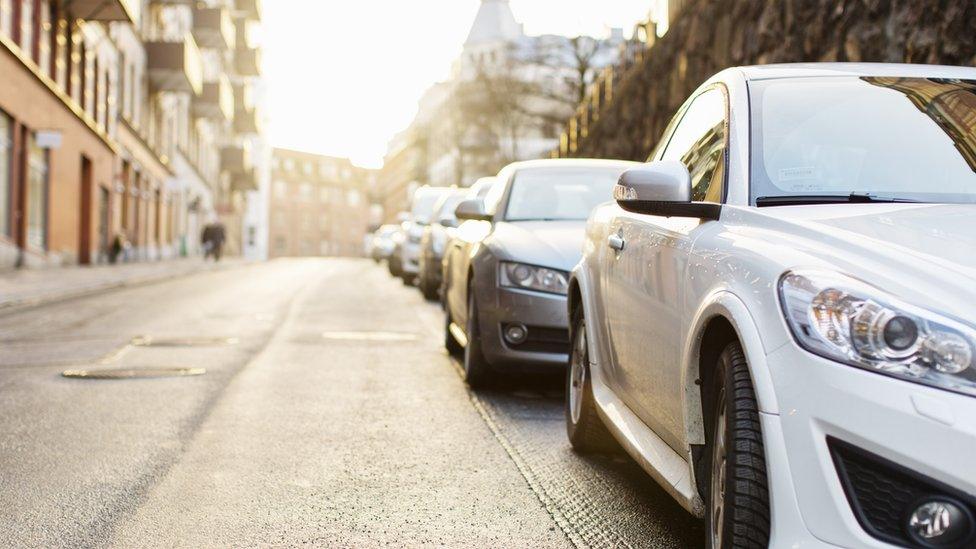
point(717, 491)
point(577, 374)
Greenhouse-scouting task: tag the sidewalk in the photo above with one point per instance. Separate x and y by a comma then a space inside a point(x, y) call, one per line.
point(32, 287)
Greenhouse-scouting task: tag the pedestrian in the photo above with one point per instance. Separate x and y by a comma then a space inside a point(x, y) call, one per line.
point(213, 238)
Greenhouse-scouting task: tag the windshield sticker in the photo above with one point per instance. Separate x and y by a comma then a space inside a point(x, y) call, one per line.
point(792, 174)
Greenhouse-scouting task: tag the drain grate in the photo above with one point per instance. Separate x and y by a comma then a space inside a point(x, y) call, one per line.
point(140, 373)
point(149, 341)
point(370, 336)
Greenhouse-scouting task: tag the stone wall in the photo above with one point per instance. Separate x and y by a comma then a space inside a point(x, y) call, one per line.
point(710, 35)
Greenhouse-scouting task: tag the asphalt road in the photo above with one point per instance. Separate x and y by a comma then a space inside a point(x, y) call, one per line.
point(329, 415)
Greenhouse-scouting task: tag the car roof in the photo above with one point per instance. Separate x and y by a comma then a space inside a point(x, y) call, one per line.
point(905, 70)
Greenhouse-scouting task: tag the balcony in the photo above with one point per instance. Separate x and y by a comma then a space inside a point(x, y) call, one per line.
point(235, 159)
point(247, 181)
point(216, 101)
point(106, 10)
point(175, 66)
point(247, 121)
point(248, 61)
point(250, 8)
point(213, 28)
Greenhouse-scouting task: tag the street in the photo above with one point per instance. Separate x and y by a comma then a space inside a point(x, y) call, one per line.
point(329, 415)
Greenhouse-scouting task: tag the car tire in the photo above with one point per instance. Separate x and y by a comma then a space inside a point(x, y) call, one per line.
point(736, 494)
point(586, 431)
point(450, 343)
point(477, 371)
point(426, 285)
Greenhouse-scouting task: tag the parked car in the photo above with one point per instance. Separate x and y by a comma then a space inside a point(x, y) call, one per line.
point(381, 244)
point(439, 232)
point(421, 210)
point(507, 274)
point(777, 317)
point(395, 261)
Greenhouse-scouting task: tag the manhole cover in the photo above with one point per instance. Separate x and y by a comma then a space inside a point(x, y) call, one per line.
point(141, 373)
point(370, 336)
point(149, 341)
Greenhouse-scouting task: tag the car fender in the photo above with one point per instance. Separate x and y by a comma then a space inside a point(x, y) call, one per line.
point(726, 304)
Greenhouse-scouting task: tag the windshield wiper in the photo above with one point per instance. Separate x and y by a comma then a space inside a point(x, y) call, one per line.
point(853, 198)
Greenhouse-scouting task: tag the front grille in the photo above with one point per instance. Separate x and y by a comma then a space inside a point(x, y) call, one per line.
point(882, 494)
point(544, 340)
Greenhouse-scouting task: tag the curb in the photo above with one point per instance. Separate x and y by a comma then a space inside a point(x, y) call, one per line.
point(24, 304)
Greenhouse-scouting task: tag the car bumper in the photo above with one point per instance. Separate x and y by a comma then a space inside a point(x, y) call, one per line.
point(824, 407)
point(545, 317)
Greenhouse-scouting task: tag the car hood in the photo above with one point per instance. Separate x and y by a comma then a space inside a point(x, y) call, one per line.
point(928, 250)
point(555, 244)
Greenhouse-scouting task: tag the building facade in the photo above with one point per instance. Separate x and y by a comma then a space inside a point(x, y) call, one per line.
point(114, 119)
point(319, 206)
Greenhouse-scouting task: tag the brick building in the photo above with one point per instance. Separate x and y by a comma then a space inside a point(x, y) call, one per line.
point(319, 206)
point(114, 115)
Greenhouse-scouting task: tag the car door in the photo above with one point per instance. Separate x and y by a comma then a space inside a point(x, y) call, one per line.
point(646, 277)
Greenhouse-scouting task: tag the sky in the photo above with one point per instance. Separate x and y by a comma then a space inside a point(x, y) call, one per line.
point(344, 76)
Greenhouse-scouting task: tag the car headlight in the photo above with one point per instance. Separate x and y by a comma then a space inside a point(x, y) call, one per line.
point(530, 277)
point(849, 321)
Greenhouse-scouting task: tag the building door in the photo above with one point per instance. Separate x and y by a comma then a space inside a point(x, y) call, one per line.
point(85, 217)
point(37, 196)
point(6, 174)
point(104, 201)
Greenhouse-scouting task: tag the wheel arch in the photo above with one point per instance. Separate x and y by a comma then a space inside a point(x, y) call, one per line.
point(722, 318)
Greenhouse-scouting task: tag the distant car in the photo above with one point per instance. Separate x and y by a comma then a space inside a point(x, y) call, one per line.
point(507, 269)
point(421, 210)
point(777, 318)
point(381, 243)
point(432, 242)
point(439, 232)
point(395, 260)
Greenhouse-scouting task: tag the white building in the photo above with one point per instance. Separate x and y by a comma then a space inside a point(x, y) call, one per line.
point(459, 151)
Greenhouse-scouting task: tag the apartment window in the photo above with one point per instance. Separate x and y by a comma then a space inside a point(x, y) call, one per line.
point(37, 178)
point(281, 244)
point(353, 198)
point(27, 27)
point(6, 17)
point(305, 191)
point(307, 222)
point(281, 190)
point(323, 194)
point(6, 162)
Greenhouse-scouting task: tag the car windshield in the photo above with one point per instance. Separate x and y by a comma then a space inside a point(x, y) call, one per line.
point(559, 194)
point(423, 203)
point(911, 139)
point(447, 204)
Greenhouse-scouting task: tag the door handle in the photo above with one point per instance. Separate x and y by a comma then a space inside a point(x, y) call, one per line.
point(616, 242)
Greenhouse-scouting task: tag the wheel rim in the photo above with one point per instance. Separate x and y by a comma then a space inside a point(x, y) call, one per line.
point(717, 492)
point(577, 375)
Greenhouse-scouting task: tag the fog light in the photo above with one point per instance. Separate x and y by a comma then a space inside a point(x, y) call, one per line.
point(940, 523)
point(516, 334)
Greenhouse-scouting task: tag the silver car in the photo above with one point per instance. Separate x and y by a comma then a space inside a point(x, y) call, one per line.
point(507, 268)
point(421, 210)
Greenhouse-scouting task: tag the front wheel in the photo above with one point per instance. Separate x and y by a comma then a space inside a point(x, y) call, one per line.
point(477, 371)
point(737, 511)
point(586, 431)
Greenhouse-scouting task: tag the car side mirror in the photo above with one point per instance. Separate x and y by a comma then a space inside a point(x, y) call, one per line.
point(448, 221)
point(472, 209)
point(661, 188)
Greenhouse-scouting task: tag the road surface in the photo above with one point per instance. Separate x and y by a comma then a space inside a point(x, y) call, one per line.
point(328, 415)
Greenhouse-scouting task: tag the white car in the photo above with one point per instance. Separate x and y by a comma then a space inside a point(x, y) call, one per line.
point(777, 317)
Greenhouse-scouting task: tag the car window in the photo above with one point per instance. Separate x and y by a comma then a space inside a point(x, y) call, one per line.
point(890, 137)
point(571, 193)
point(699, 142)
